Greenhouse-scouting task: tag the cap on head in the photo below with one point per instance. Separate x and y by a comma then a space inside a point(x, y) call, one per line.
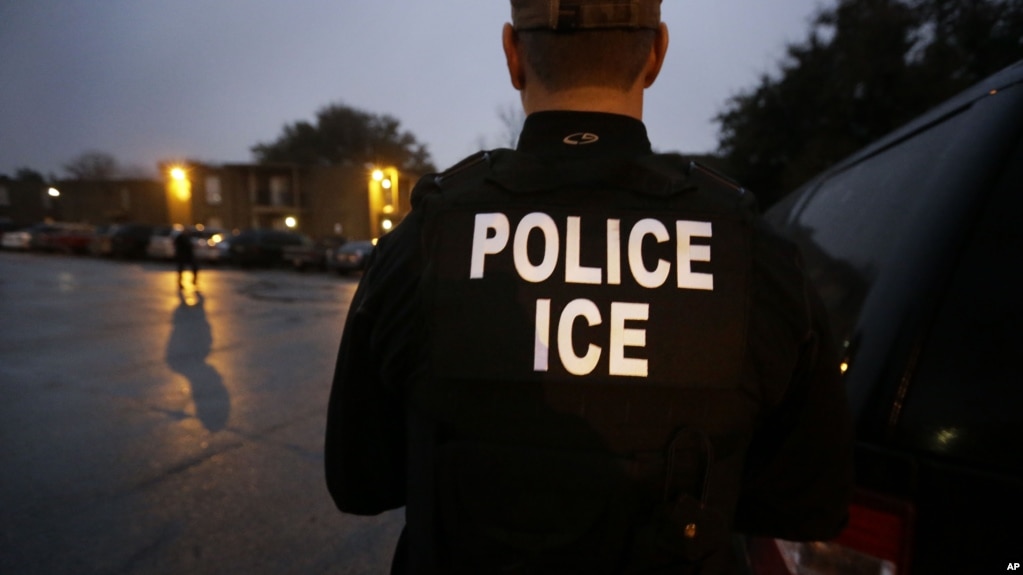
point(568, 15)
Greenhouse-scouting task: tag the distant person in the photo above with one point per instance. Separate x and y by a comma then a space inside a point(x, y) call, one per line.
point(184, 255)
point(583, 357)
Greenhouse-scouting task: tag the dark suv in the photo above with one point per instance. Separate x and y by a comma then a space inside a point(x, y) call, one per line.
point(262, 247)
point(914, 244)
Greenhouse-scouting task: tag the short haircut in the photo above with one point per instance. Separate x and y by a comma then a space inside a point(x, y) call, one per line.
point(611, 58)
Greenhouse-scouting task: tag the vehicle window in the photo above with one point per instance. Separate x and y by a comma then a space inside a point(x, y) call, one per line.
point(858, 219)
point(889, 219)
point(278, 238)
point(966, 397)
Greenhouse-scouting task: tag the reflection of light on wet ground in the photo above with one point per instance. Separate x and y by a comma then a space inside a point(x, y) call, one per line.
point(190, 298)
point(284, 291)
point(101, 425)
point(66, 282)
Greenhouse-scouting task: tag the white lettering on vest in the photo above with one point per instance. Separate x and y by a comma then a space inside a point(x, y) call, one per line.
point(688, 253)
point(483, 243)
point(620, 337)
point(574, 364)
point(575, 273)
point(549, 229)
point(614, 252)
point(542, 340)
point(492, 232)
point(647, 278)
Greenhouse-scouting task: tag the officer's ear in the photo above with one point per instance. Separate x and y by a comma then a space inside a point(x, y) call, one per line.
point(513, 57)
point(656, 58)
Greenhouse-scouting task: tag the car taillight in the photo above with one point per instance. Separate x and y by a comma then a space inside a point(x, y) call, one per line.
point(877, 541)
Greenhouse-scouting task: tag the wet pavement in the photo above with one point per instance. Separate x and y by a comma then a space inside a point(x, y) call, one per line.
point(146, 430)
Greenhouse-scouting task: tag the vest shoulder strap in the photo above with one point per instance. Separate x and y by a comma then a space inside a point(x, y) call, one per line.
point(516, 172)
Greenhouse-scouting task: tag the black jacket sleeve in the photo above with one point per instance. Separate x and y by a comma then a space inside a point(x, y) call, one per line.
point(364, 449)
point(799, 477)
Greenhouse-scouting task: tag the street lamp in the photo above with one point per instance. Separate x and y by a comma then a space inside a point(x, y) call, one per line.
point(51, 204)
point(383, 200)
point(179, 184)
point(179, 195)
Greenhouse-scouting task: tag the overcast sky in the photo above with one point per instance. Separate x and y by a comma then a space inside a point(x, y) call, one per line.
point(152, 80)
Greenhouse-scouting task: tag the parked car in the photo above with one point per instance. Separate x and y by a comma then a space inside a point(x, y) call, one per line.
point(350, 257)
point(914, 244)
point(70, 238)
point(7, 225)
point(99, 245)
point(260, 247)
point(207, 245)
point(34, 237)
point(18, 239)
point(161, 243)
point(129, 241)
point(312, 254)
point(216, 249)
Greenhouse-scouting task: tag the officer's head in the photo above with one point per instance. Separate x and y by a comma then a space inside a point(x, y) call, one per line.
point(569, 44)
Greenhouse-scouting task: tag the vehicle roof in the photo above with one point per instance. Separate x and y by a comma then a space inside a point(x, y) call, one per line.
point(994, 85)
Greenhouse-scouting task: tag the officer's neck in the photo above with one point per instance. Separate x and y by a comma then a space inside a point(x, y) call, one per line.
point(585, 99)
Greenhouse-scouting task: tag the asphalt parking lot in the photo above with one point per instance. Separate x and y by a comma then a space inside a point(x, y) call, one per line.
point(145, 429)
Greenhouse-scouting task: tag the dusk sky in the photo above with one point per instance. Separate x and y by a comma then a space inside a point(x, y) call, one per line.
point(148, 81)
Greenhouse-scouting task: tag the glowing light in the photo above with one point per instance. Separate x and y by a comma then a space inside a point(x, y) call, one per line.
point(383, 199)
point(844, 366)
point(177, 173)
point(947, 436)
point(53, 192)
point(290, 221)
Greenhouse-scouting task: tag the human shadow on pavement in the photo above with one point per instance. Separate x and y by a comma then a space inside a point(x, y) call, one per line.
point(190, 342)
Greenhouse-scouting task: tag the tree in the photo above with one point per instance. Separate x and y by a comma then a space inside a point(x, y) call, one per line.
point(28, 175)
point(92, 165)
point(346, 135)
point(512, 118)
point(866, 67)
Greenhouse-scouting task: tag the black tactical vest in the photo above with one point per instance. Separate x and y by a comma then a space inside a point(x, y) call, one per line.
point(588, 400)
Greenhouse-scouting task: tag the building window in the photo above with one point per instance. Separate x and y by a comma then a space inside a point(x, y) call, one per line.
point(279, 192)
point(125, 199)
point(213, 195)
point(5, 197)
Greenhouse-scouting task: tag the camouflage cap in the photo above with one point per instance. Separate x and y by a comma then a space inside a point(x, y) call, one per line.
point(567, 15)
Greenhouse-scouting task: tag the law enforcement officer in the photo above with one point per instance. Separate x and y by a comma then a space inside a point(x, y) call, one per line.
point(582, 357)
